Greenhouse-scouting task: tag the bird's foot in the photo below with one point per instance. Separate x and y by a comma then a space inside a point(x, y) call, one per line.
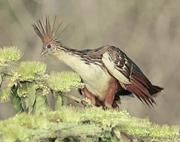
point(86, 102)
point(89, 97)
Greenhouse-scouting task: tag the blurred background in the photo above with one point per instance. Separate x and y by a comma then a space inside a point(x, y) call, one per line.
point(148, 31)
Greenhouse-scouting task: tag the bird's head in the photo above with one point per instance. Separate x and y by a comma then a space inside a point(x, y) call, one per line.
point(47, 32)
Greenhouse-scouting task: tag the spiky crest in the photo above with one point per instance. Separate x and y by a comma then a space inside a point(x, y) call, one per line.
point(45, 30)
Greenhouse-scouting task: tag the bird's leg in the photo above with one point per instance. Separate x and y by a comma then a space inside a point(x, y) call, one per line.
point(87, 94)
point(111, 92)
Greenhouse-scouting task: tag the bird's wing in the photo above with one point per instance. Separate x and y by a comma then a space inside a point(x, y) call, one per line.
point(117, 64)
point(128, 74)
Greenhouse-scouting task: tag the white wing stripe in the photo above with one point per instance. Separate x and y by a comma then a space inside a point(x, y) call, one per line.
point(111, 68)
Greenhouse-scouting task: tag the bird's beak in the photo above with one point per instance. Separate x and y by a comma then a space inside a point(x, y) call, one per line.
point(43, 51)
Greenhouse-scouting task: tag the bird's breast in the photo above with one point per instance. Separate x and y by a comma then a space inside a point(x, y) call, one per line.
point(96, 79)
point(95, 76)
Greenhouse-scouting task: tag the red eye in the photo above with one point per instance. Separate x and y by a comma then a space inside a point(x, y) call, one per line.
point(48, 46)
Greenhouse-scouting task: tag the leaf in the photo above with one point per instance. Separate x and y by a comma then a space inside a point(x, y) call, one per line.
point(31, 98)
point(22, 90)
point(27, 92)
point(24, 104)
point(5, 90)
point(58, 102)
point(41, 104)
point(5, 95)
point(15, 100)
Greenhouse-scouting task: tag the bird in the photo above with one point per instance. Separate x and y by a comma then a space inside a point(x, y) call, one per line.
point(106, 72)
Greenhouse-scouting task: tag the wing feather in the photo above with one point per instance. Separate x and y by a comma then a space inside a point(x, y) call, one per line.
point(129, 75)
point(117, 65)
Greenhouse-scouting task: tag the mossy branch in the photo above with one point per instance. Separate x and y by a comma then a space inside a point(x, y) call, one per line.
point(87, 124)
point(22, 82)
point(27, 86)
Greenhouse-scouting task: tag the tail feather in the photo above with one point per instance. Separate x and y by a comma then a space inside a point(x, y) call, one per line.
point(141, 78)
point(143, 81)
point(155, 89)
point(143, 88)
point(141, 92)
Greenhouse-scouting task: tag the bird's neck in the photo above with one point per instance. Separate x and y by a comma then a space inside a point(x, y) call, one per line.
point(71, 57)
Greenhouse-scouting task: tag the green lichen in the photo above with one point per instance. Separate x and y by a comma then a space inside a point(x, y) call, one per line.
point(83, 124)
point(63, 81)
point(28, 71)
point(9, 54)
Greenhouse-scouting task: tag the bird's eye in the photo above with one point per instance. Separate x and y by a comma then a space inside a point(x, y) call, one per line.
point(49, 46)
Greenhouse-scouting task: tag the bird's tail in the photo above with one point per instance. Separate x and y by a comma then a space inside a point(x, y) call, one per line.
point(143, 88)
point(155, 89)
point(141, 92)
